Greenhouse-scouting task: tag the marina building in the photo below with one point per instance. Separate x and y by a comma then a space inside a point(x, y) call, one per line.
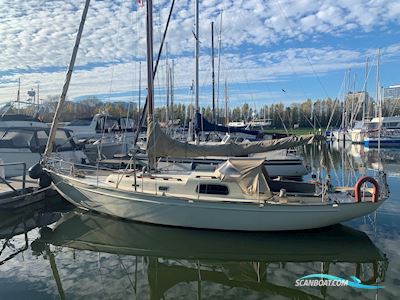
point(392, 92)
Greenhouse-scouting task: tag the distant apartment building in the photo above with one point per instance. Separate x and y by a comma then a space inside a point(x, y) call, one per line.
point(392, 92)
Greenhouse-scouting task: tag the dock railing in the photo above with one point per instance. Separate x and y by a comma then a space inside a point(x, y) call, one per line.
point(3, 177)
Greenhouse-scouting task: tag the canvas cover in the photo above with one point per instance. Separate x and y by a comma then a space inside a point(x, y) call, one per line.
point(159, 144)
point(249, 173)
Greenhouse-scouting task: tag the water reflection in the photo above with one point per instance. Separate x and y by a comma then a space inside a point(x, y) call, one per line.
point(206, 263)
point(385, 159)
point(21, 221)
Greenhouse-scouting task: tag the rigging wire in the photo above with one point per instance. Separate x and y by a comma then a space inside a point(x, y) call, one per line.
point(100, 147)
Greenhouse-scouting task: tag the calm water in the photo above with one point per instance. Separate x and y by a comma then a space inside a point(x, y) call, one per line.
point(54, 252)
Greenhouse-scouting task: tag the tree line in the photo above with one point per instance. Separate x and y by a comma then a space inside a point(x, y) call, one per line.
point(306, 114)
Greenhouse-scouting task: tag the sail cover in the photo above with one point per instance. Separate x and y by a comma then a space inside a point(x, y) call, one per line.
point(249, 173)
point(159, 144)
point(201, 124)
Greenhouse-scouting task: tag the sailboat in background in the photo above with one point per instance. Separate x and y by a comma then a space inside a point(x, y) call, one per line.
point(239, 195)
point(103, 136)
point(382, 131)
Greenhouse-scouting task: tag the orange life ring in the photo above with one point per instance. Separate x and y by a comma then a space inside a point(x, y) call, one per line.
point(360, 182)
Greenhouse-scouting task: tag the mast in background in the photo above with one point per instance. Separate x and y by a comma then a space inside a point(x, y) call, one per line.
point(365, 106)
point(197, 65)
point(140, 90)
point(19, 93)
point(172, 78)
point(149, 59)
point(38, 98)
point(212, 73)
point(167, 75)
point(219, 64)
point(226, 104)
point(379, 98)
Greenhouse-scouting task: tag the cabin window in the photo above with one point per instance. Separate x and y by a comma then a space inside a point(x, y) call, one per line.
point(100, 125)
point(111, 124)
point(61, 138)
point(42, 138)
point(16, 139)
point(212, 189)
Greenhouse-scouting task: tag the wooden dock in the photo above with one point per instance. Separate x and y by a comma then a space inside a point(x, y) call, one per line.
point(13, 195)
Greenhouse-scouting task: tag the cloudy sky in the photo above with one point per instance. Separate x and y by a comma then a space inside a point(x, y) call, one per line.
point(304, 47)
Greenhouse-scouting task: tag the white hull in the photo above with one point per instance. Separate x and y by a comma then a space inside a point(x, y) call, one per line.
point(341, 135)
point(174, 211)
point(357, 136)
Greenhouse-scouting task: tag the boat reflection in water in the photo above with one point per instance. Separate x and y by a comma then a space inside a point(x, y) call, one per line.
point(383, 159)
point(22, 220)
point(217, 263)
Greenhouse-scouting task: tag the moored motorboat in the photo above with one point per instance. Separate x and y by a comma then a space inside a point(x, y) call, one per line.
point(26, 145)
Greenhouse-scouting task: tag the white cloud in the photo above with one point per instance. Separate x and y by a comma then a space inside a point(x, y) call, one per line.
point(36, 39)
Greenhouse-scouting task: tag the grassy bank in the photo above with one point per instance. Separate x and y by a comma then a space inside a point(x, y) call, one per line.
point(297, 131)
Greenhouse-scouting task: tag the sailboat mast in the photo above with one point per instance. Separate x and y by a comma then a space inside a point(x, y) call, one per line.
point(226, 104)
point(213, 73)
point(142, 116)
point(196, 89)
point(19, 89)
point(365, 106)
point(38, 91)
point(19, 93)
point(379, 98)
point(149, 59)
point(57, 114)
point(167, 71)
point(377, 83)
point(264, 113)
point(140, 90)
point(172, 74)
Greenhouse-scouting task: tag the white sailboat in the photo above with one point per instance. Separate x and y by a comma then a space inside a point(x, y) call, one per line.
point(239, 195)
